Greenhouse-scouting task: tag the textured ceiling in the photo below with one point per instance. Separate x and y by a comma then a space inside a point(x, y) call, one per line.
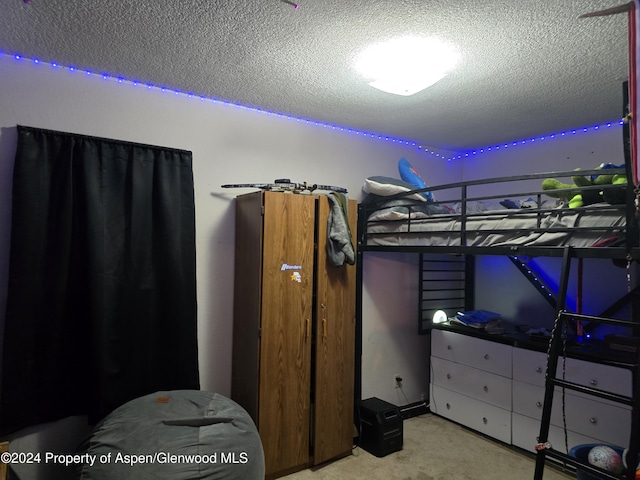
point(528, 67)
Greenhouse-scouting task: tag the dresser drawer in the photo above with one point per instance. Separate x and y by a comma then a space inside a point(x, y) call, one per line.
point(529, 366)
point(525, 431)
point(478, 384)
point(528, 400)
point(482, 417)
point(478, 353)
point(607, 422)
point(596, 375)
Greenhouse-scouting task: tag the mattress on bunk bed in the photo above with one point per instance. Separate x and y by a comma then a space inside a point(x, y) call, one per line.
point(507, 227)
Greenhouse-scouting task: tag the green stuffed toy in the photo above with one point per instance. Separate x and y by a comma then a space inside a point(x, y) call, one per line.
point(580, 198)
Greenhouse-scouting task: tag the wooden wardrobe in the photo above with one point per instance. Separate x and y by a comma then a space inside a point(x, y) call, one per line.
point(294, 327)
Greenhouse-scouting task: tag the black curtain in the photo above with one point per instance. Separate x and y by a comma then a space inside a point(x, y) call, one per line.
point(101, 305)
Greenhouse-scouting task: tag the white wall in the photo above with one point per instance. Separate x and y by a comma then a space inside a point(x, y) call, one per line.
point(229, 145)
point(584, 150)
point(391, 345)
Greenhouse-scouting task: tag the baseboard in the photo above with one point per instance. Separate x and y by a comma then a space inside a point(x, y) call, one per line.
point(414, 409)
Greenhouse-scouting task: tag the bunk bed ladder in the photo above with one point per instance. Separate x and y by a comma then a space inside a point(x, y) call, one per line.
point(544, 449)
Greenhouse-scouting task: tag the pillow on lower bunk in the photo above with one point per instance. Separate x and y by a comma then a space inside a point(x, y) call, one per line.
point(401, 208)
point(387, 186)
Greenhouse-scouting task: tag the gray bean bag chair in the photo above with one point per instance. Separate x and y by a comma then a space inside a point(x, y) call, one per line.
point(174, 435)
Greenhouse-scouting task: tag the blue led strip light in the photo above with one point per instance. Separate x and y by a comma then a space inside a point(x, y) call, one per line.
point(375, 136)
point(529, 141)
point(536, 281)
point(119, 79)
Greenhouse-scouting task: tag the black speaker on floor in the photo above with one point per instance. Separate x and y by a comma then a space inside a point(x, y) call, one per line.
point(381, 427)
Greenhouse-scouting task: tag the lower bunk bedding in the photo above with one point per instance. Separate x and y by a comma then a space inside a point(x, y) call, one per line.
point(531, 218)
point(596, 226)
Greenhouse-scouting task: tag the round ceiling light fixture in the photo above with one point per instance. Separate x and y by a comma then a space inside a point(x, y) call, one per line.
point(407, 65)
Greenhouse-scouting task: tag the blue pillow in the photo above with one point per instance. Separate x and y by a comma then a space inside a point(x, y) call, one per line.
point(408, 174)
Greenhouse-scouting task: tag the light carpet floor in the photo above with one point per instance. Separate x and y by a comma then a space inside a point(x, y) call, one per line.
point(435, 449)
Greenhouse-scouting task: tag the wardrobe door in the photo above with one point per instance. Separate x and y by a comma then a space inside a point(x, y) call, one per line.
point(285, 343)
point(247, 303)
point(334, 352)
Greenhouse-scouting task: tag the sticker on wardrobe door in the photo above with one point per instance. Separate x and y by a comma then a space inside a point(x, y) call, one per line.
point(286, 266)
point(295, 276)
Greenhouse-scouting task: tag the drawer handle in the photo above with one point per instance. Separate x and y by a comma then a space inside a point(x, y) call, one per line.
point(593, 420)
point(486, 356)
point(486, 389)
point(448, 347)
point(448, 407)
point(448, 376)
point(594, 382)
point(484, 420)
point(539, 404)
point(539, 370)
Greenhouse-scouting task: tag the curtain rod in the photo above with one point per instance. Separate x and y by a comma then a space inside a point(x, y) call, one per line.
point(101, 139)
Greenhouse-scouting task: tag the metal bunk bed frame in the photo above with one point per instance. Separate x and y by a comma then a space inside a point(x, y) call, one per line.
point(628, 252)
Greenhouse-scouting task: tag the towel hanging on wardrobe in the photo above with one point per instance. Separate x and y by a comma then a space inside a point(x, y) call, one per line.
point(339, 245)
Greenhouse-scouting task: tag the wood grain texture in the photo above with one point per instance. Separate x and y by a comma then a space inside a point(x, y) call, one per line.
point(334, 352)
point(285, 356)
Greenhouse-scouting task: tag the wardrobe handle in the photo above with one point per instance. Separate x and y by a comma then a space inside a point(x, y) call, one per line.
point(308, 333)
point(324, 327)
point(593, 420)
point(539, 404)
point(539, 370)
point(486, 356)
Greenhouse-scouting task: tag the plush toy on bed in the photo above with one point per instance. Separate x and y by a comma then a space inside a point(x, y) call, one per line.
point(613, 196)
point(410, 175)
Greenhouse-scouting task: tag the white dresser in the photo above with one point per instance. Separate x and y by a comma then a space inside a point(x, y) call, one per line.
point(498, 390)
point(471, 382)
